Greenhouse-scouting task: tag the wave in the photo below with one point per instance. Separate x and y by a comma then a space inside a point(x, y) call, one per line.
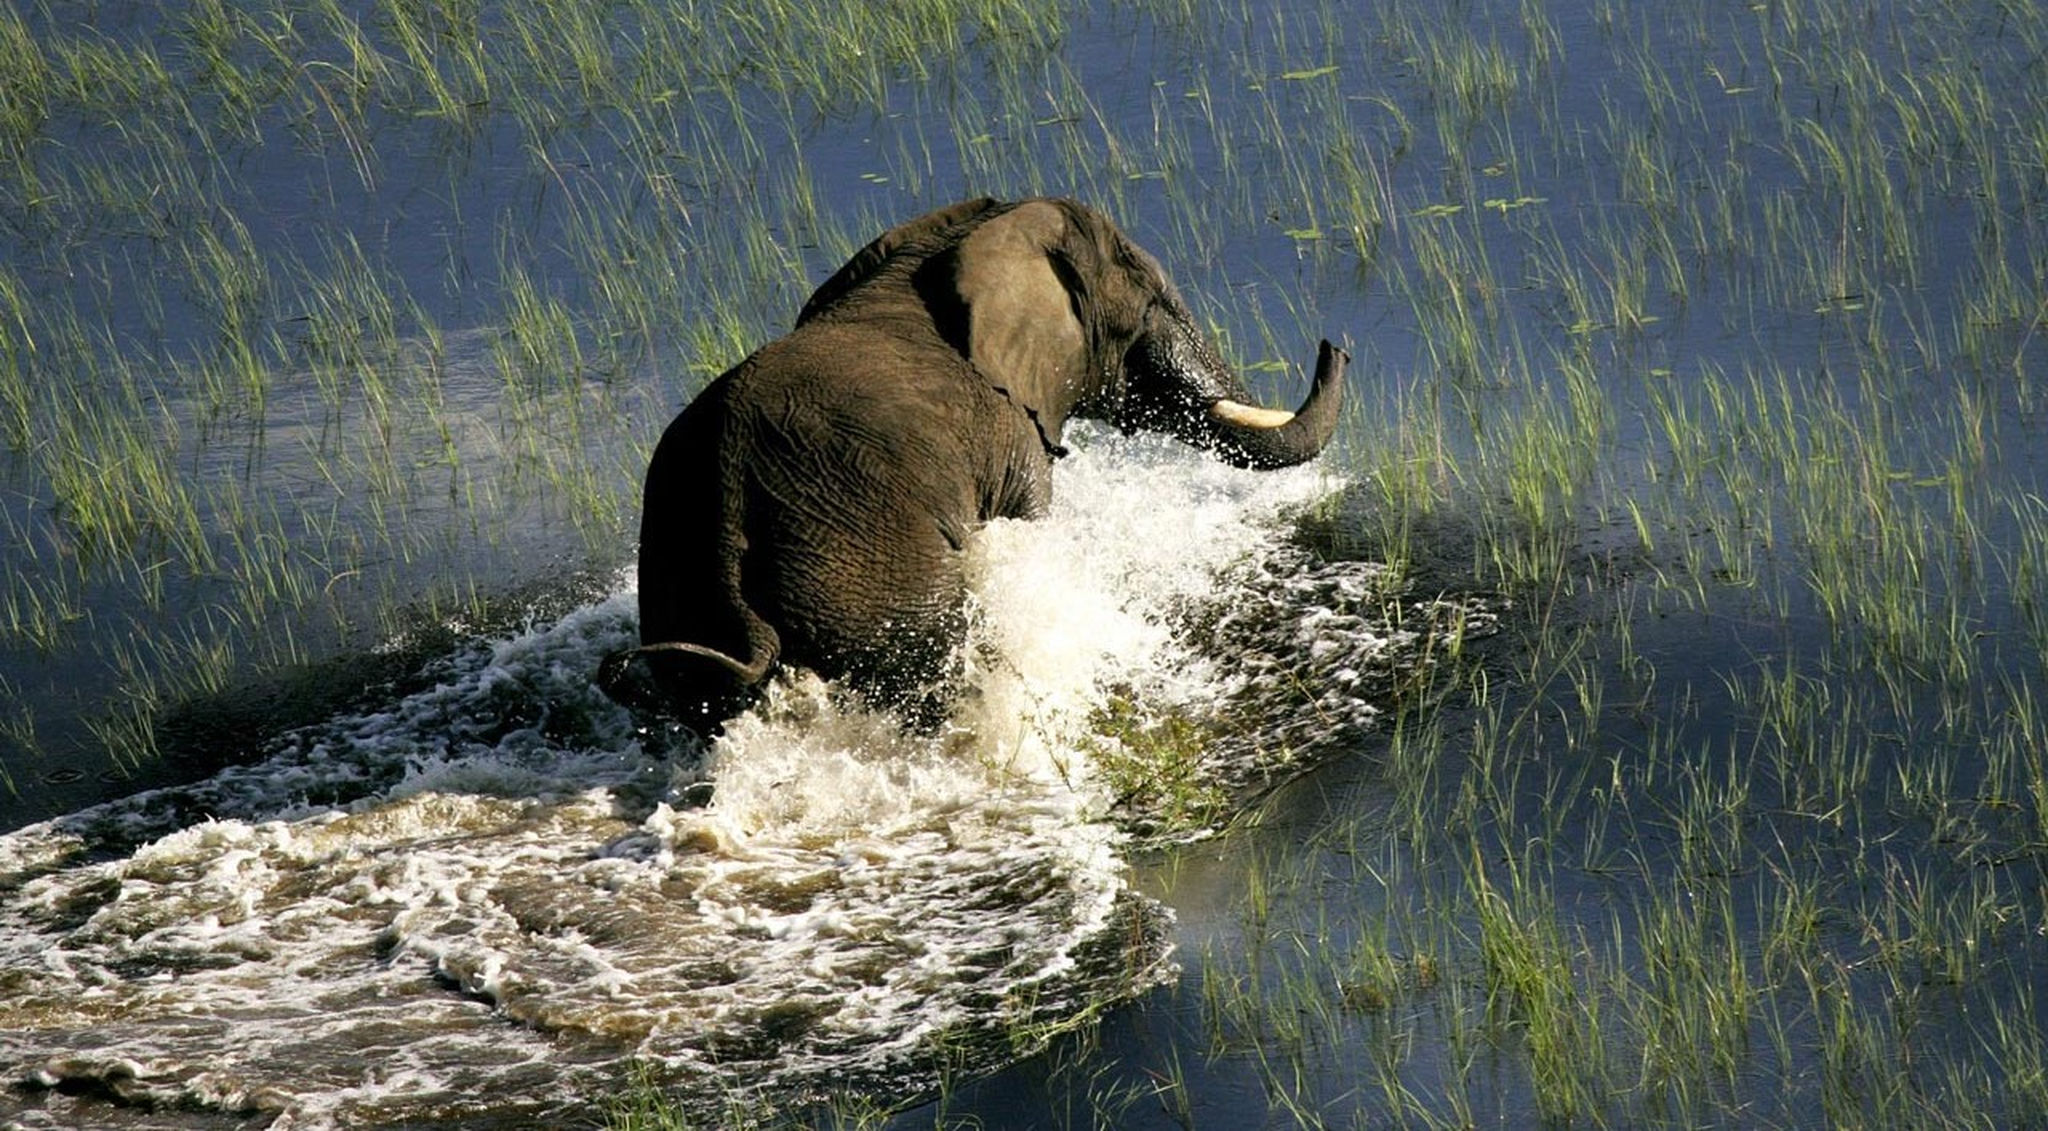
point(498, 900)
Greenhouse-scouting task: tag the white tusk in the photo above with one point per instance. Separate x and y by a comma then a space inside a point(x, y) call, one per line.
point(1248, 416)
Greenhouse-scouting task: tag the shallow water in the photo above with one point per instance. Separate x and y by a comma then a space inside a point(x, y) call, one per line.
point(495, 899)
point(1734, 310)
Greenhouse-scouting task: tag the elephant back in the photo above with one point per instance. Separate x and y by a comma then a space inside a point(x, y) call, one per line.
point(908, 243)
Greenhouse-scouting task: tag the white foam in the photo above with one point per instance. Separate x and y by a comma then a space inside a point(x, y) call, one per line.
point(509, 889)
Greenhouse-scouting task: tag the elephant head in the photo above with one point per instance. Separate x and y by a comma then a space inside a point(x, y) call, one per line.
point(1052, 303)
point(811, 504)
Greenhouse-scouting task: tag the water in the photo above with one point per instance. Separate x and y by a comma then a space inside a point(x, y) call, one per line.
point(1712, 332)
point(492, 900)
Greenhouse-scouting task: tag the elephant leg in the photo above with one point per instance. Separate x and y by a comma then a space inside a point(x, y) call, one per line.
point(874, 598)
point(704, 650)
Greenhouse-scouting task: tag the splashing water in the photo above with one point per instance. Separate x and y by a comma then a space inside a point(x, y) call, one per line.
point(493, 901)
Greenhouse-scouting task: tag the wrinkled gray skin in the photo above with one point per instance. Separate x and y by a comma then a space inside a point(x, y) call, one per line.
point(811, 505)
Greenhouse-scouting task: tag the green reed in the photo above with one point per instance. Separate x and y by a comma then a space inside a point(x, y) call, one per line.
point(1789, 906)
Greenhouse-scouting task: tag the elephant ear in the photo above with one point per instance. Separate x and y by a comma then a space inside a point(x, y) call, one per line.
point(1018, 289)
point(930, 228)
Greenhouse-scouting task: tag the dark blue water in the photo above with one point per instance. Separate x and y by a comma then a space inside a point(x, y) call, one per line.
point(1673, 205)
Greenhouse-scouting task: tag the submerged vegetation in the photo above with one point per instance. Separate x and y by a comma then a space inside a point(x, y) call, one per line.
point(1711, 335)
point(315, 311)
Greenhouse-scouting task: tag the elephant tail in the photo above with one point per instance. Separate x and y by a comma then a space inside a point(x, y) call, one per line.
point(693, 683)
point(749, 672)
point(704, 650)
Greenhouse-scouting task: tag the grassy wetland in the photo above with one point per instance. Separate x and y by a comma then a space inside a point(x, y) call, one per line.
point(1709, 337)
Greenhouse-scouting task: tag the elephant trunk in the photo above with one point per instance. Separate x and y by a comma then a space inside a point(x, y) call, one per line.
point(1249, 436)
point(1207, 409)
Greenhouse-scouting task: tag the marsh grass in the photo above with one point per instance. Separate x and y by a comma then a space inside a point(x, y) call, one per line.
point(1728, 372)
point(1812, 850)
point(1154, 769)
point(178, 259)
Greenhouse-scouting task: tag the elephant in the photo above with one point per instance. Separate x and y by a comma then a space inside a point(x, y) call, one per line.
point(810, 506)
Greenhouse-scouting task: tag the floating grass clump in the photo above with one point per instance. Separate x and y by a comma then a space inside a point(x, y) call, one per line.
point(1155, 770)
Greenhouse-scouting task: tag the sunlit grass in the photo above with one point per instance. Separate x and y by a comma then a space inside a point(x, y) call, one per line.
point(1751, 348)
point(1864, 504)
